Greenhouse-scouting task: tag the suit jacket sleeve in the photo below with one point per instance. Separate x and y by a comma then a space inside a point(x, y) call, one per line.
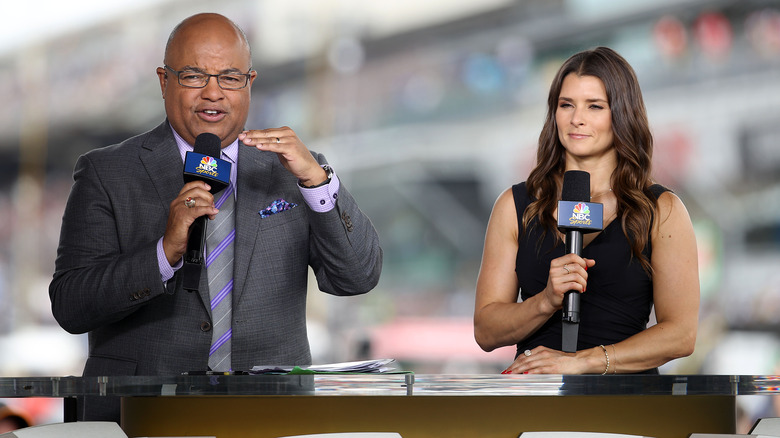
point(106, 270)
point(346, 256)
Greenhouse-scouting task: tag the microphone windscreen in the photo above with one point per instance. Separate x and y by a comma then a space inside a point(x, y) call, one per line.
point(208, 144)
point(576, 186)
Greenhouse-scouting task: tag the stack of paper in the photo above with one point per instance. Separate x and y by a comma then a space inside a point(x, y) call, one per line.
point(363, 366)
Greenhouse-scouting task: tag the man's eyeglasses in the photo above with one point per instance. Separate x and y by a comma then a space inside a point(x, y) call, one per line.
point(226, 81)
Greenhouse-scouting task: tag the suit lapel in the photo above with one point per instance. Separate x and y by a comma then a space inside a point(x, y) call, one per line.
point(254, 176)
point(162, 161)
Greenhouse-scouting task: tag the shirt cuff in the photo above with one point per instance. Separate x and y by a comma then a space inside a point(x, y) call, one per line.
point(322, 199)
point(166, 270)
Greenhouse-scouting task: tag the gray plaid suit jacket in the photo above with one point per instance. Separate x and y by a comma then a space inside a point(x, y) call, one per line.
point(107, 280)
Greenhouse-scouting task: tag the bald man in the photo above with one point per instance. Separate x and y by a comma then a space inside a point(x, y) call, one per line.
point(125, 230)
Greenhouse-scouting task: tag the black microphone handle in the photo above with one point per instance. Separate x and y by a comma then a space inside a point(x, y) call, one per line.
point(197, 240)
point(571, 299)
point(193, 257)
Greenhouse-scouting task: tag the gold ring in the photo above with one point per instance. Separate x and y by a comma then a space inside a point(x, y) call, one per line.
point(567, 269)
point(527, 353)
point(189, 202)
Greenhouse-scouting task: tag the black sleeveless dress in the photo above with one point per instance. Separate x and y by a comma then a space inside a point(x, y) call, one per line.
point(619, 296)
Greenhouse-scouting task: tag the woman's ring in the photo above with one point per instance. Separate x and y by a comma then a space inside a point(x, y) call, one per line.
point(527, 353)
point(189, 202)
point(277, 139)
point(567, 269)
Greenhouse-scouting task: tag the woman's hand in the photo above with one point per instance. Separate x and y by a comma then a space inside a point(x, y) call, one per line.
point(543, 360)
point(567, 273)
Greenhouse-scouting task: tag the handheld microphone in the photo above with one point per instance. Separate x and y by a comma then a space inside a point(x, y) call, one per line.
point(202, 164)
point(576, 216)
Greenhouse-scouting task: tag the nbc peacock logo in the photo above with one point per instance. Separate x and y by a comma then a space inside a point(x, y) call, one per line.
point(580, 214)
point(208, 165)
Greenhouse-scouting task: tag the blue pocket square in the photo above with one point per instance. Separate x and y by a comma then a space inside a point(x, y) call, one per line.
point(277, 206)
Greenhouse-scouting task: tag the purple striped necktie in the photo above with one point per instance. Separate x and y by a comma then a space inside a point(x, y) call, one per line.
point(221, 233)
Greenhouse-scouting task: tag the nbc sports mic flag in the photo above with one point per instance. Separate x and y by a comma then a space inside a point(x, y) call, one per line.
point(207, 168)
point(585, 216)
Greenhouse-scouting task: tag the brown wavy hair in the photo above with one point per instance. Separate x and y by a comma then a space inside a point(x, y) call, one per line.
point(632, 142)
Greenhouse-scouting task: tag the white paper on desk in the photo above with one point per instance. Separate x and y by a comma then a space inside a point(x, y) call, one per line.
point(363, 366)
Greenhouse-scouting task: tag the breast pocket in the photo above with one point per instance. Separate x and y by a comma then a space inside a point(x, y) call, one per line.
point(282, 218)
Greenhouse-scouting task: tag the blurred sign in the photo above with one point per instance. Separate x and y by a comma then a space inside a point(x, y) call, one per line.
point(433, 340)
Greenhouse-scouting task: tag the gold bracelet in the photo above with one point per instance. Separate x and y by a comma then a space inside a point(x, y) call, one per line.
point(607, 356)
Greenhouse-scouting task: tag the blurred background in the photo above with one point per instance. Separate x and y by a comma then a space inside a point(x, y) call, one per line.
point(427, 110)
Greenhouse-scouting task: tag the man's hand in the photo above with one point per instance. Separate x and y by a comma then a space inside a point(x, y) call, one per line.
point(292, 153)
point(180, 217)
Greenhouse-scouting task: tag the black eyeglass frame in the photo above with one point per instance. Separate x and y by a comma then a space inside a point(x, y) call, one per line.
point(209, 76)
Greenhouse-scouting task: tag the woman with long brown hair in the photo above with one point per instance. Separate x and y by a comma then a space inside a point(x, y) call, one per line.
point(645, 255)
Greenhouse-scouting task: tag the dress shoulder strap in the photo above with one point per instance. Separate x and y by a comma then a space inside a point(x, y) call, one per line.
point(522, 200)
point(657, 190)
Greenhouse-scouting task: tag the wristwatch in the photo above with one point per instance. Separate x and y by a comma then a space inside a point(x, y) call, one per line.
point(328, 171)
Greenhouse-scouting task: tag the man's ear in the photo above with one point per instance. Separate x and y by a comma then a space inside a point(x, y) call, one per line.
point(163, 76)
